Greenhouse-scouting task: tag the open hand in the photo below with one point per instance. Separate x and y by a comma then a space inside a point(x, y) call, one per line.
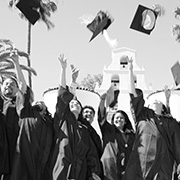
point(63, 61)
point(74, 73)
point(167, 92)
point(130, 62)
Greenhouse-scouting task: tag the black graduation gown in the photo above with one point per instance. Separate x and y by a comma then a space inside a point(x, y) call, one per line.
point(11, 120)
point(73, 155)
point(116, 150)
point(33, 144)
point(156, 137)
point(4, 158)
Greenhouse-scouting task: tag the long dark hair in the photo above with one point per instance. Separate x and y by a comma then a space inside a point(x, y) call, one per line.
point(128, 124)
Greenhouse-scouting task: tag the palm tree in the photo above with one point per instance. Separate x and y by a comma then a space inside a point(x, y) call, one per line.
point(44, 8)
point(6, 65)
point(176, 27)
point(29, 52)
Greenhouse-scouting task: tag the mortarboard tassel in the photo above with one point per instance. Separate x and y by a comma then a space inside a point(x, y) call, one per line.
point(111, 42)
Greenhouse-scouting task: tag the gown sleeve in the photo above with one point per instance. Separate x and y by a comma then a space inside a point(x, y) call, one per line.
point(136, 105)
point(175, 134)
point(33, 143)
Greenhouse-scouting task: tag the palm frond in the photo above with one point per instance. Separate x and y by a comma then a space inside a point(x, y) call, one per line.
point(6, 67)
point(4, 55)
point(6, 74)
point(47, 8)
point(10, 66)
point(7, 42)
point(44, 7)
point(46, 20)
point(6, 45)
point(177, 13)
point(7, 63)
point(29, 69)
point(159, 9)
point(22, 53)
point(176, 32)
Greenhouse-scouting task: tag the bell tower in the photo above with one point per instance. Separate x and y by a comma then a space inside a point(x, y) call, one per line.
point(117, 74)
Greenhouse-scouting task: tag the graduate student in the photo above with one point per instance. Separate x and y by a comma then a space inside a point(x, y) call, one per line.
point(157, 142)
point(74, 155)
point(118, 138)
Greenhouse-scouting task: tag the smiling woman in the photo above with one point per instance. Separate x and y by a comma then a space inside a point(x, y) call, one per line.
point(85, 96)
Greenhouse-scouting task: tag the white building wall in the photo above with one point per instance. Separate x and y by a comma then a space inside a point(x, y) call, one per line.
point(122, 70)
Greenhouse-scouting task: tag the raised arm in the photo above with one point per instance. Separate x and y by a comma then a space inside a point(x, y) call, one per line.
point(102, 109)
point(64, 95)
point(62, 80)
point(167, 93)
point(20, 77)
point(105, 100)
point(131, 78)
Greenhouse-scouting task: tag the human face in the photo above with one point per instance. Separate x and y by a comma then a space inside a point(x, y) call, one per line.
point(119, 120)
point(75, 106)
point(156, 106)
point(9, 88)
point(88, 114)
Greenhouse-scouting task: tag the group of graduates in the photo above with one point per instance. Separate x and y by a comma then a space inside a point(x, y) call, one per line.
point(34, 145)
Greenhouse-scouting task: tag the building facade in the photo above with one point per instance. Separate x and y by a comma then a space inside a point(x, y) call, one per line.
point(116, 73)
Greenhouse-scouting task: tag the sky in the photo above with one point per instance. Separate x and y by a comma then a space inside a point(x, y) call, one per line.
point(157, 52)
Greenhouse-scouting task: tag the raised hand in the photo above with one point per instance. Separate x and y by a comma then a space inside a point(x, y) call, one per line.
point(74, 73)
point(63, 61)
point(130, 61)
point(167, 92)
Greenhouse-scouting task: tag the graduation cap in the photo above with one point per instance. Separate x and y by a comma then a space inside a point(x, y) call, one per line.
point(144, 20)
point(175, 69)
point(101, 22)
point(29, 9)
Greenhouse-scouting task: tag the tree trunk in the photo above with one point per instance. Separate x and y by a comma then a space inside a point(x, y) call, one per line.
point(29, 51)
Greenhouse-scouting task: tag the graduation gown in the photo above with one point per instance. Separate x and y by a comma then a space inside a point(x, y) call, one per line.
point(94, 136)
point(73, 155)
point(156, 146)
point(11, 127)
point(33, 144)
point(116, 150)
point(4, 158)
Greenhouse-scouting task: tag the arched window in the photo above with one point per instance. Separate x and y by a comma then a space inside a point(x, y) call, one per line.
point(123, 61)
